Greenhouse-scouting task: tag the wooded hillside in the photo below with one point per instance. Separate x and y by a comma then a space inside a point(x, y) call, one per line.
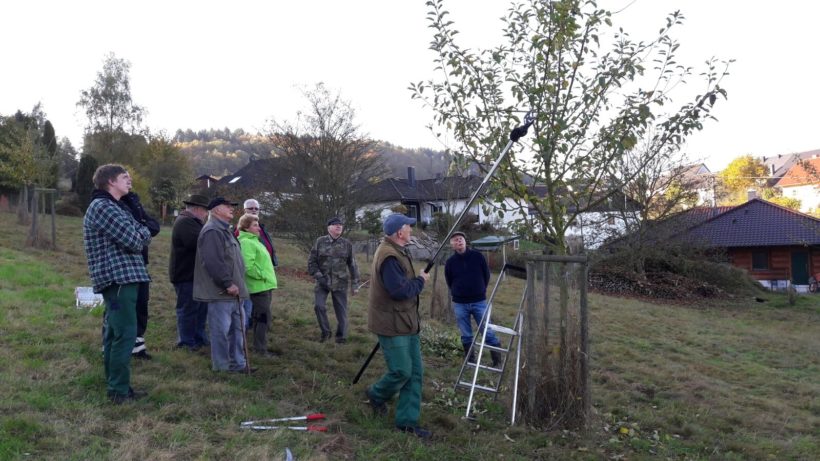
point(218, 152)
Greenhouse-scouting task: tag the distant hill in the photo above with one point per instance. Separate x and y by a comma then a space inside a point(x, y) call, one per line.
point(220, 152)
point(428, 162)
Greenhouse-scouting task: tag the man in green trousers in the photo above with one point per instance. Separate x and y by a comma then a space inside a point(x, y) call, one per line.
point(113, 242)
point(393, 315)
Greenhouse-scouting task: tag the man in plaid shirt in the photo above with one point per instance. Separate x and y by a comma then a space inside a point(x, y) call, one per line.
point(113, 242)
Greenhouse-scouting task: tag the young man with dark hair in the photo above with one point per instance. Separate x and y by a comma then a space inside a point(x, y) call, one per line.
point(114, 242)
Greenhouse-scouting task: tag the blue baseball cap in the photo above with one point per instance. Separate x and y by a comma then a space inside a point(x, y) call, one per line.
point(395, 221)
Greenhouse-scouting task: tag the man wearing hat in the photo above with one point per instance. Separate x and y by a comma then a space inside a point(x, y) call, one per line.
point(191, 314)
point(393, 315)
point(468, 275)
point(219, 280)
point(330, 260)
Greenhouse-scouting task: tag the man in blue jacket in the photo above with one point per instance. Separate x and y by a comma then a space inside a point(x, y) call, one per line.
point(468, 275)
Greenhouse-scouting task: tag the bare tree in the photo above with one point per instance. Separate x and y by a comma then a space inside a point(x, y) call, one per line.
point(330, 160)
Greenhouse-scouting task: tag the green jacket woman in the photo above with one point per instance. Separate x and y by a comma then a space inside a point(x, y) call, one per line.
point(260, 279)
point(259, 272)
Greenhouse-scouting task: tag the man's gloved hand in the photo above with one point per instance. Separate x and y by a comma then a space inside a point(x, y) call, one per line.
point(321, 279)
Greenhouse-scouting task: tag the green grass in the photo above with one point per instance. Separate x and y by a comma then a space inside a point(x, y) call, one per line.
point(734, 381)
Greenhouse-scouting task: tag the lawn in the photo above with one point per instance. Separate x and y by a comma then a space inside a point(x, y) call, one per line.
point(735, 380)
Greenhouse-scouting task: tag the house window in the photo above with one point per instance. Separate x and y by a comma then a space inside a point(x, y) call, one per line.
point(760, 260)
point(412, 211)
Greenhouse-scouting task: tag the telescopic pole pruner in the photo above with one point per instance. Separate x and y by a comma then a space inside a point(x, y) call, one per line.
point(516, 134)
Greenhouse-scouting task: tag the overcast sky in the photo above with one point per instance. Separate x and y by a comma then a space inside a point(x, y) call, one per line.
point(237, 64)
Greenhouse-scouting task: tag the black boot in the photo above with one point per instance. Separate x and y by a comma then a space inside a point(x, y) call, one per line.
point(471, 357)
point(496, 358)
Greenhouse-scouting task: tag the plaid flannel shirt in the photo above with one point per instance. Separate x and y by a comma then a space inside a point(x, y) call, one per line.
point(113, 242)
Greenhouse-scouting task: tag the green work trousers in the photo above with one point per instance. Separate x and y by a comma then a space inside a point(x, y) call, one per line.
point(404, 374)
point(120, 334)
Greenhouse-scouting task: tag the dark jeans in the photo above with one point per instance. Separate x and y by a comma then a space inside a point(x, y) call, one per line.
point(142, 317)
point(191, 317)
point(261, 319)
point(464, 312)
point(142, 308)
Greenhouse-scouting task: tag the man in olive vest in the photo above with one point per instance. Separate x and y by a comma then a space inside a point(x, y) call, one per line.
point(393, 315)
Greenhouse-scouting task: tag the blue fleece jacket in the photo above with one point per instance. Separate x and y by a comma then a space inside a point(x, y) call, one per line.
point(467, 276)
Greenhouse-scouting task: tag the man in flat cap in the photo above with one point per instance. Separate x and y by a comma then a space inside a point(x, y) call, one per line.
point(468, 275)
point(191, 314)
point(330, 260)
point(219, 280)
point(393, 315)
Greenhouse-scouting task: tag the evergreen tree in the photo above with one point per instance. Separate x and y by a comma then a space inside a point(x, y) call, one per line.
point(84, 185)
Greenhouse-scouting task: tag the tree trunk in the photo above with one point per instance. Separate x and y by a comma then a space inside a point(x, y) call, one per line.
point(53, 220)
point(22, 206)
point(554, 391)
point(34, 231)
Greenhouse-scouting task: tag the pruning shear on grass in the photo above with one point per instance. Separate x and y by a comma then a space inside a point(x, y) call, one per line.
point(263, 424)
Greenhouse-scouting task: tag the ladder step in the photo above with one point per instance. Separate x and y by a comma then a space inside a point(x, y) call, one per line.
point(485, 367)
point(504, 330)
point(488, 347)
point(479, 387)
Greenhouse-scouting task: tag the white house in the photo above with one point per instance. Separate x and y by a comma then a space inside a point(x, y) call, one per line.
point(802, 182)
point(424, 198)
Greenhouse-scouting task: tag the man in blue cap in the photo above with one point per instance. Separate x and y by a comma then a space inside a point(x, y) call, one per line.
point(393, 315)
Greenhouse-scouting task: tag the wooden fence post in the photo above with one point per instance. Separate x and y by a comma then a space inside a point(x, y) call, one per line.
point(583, 276)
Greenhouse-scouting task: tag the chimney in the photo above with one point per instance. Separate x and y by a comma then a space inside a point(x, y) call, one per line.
point(411, 176)
point(751, 194)
point(771, 169)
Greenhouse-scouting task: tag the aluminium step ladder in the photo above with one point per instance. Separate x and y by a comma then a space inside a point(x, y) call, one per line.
point(492, 383)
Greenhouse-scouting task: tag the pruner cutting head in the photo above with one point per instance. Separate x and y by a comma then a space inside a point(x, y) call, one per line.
point(521, 131)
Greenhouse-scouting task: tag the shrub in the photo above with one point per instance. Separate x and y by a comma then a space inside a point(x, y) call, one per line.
point(68, 206)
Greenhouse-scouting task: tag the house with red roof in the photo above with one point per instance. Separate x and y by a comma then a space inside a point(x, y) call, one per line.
point(802, 182)
point(775, 245)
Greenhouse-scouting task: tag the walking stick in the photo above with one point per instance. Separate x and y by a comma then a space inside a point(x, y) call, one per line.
point(516, 134)
point(244, 335)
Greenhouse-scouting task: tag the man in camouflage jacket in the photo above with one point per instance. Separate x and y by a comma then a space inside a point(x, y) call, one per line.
point(330, 260)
